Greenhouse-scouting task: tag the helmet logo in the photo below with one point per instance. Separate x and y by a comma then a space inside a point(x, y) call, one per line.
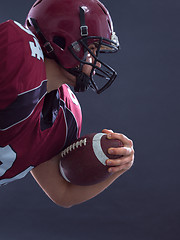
point(76, 46)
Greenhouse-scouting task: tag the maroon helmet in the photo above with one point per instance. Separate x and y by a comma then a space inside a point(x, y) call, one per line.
point(65, 30)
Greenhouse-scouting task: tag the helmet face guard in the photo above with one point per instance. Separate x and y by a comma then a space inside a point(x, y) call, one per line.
point(100, 77)
point(66, 29)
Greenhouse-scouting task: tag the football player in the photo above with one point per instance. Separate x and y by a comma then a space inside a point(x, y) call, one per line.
point(59, 45)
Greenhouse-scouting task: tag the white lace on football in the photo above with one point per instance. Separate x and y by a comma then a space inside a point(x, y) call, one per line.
point(73, 146)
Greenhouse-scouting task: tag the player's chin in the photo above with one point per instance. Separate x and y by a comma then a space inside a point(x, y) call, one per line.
point(87, 70)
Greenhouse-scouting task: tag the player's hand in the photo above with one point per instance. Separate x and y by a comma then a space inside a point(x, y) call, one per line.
point(127, 151)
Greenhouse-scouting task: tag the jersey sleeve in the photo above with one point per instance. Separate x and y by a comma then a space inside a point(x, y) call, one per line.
point(73, 114)
point(11, 60)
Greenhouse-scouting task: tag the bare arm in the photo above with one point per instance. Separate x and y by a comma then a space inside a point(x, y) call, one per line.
point(66, 194)
point(62, 192)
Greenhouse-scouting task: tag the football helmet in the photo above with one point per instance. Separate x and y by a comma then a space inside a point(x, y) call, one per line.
point(66, 29)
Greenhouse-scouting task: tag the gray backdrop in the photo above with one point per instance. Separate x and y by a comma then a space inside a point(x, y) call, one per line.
point(143, 103)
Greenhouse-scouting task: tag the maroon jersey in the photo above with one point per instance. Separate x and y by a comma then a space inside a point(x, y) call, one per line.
point(34, 125)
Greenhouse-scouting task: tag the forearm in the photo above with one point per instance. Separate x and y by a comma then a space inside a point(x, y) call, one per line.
point(62, 192)
point(66, 194)
point(75, 194)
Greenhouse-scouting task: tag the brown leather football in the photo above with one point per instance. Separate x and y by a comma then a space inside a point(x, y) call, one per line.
point(84, 161)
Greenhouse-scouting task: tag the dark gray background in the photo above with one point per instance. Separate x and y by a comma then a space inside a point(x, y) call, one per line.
point(143, 103)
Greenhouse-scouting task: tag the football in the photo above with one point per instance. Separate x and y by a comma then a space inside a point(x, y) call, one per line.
point(84, 161)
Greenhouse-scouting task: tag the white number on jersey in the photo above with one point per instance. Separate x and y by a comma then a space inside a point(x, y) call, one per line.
point(73, 97)
point(36, 50)
point(7, 158)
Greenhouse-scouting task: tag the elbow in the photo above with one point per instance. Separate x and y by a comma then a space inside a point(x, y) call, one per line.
point(65, 198)
point(67, 206)
point(61, 203)
point(64, 205)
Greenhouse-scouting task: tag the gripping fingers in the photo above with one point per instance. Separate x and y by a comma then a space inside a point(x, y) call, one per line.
point(123, 163)
point(120, 162)
point(120, 168)
point(125, 151)
point(127, 142)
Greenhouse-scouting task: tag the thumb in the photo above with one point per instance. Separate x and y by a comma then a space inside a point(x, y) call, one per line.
point(107, 131)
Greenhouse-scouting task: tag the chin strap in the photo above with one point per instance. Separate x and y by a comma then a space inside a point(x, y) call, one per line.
point(83, 27)
point(82, 80)
point(46, 44)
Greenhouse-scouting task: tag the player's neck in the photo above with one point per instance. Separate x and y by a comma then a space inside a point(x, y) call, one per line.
point(53, 74)
point(57, 76)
